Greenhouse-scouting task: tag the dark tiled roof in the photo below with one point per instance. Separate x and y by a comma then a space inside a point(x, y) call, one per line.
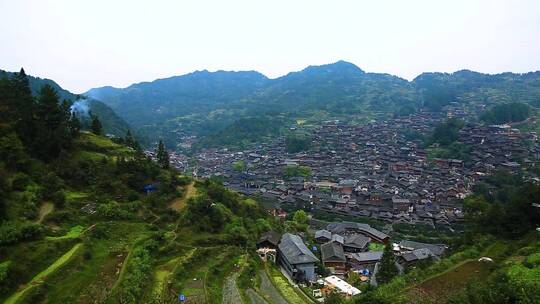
point(332, 252)
point(368, 256)
point(323, 233)
point(339, 228)
point(295, 251)
point(418, 254)
point(270, 236)
point(356, 240)
point(435, 249)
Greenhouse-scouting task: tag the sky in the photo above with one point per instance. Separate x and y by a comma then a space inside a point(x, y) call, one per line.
point(82, 44)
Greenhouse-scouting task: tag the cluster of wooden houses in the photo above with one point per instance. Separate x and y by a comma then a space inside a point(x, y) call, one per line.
point(344, 247)
point(376, 170)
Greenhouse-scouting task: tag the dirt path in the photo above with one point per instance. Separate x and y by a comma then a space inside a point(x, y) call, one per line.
point(38, 279)
point(46, 208)
point(179, 203)
point(231, 295)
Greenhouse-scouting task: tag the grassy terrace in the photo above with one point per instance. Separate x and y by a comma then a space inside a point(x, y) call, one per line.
point(38, 279)
point(292, 294)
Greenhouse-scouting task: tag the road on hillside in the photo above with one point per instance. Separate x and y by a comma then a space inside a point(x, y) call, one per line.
point(179, 203)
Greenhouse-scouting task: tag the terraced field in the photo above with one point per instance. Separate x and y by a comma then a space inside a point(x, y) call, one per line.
point(39, 279)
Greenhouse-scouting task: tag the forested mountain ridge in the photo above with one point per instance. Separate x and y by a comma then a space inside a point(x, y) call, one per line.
point(112, 123)
point(204, 103)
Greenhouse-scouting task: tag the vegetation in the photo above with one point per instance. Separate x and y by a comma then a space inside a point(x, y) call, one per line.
point(235, 109)
point(162, 155)
point(82, 107)
point(103, 235)
point(445, 141)
point(507, 113)
point(387, 268)
point(296, 171)
point(297, 143)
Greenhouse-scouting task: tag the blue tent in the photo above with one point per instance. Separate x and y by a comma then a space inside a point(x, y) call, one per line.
point(149, 188)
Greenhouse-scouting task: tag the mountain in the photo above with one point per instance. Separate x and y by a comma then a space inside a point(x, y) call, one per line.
point(111, 122)
point(468, 87)
point(205, 103)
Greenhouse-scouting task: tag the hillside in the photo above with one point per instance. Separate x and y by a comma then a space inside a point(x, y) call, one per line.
point(112, 123)
point(204, 103)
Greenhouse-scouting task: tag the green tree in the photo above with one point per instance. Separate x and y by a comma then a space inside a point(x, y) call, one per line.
point(162, 155)
point(296, 171)
point(300, 217)
point(387, 268)
point(447, 132)
point(131, 142)
point(96, 126)
point(297, 143)
point(333, 298)
point(239, 165)
point(22, 105)
point(52, 118)
point(74, 125)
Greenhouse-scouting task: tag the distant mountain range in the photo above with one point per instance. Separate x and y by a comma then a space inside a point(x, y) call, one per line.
point(111, 122)
point(207, 104)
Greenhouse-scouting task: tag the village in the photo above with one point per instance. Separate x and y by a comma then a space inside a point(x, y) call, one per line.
point(327, 260)
point(371, 170)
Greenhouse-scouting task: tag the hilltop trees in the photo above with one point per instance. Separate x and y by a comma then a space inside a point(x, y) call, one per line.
point(22, 106)
point(162, 155)
point(53, 124)
point(44, 125)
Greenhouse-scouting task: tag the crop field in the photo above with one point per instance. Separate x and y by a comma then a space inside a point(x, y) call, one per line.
point(444, 285)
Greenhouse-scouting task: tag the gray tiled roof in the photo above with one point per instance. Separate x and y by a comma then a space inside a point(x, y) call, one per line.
point(368, 256)
point(332, 252)
point(435, 249)
point(418, 254)
point(342, 227)
point(295, 251)
point(356, 240)
point(323, 233)
point(271, 236)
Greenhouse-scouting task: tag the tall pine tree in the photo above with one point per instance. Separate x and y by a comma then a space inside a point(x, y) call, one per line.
point(74, 124)
point(387, 267)
point(130, 141)
point(162, 155)
point(22, 106)
point(52, 120)
point(96, 126)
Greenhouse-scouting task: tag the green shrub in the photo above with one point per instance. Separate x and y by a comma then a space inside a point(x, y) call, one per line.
point(11, 232)
point(20, 181)
point(4, 270)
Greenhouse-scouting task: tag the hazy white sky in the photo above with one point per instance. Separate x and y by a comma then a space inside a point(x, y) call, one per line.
point(91, 43)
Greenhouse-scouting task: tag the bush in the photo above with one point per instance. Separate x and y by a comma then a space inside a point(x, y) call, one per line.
point(4, 270)
point(11, 233)
point(20, 181)
point(59, 199)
